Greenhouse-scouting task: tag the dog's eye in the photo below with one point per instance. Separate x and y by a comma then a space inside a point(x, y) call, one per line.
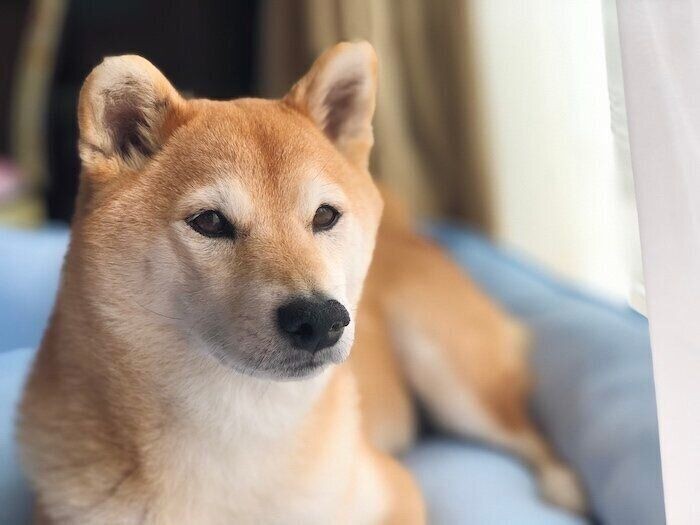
point(325, 218)
point(211, 223)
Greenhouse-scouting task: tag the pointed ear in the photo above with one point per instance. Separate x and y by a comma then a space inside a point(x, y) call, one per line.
point(127, 110)
point(338, 94)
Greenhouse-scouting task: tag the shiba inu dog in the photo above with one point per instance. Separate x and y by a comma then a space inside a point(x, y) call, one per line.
point(197, 366)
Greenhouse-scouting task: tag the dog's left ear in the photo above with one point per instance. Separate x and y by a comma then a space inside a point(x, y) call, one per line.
point(338, 94)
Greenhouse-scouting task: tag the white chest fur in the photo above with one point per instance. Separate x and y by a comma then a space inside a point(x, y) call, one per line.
point(238, 456)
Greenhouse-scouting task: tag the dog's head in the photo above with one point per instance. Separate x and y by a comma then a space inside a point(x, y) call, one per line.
point(246, 226)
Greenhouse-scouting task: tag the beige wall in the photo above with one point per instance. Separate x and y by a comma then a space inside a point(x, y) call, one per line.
point(541, 70)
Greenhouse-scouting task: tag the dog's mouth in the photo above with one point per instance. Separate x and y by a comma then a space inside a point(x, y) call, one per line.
point(299, 371)
point(305, 366)
point(296, 340)
point(298, 365)
point(283, 363)
point(261, 351)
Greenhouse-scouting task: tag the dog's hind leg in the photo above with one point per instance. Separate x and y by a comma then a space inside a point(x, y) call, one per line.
point(466, 362)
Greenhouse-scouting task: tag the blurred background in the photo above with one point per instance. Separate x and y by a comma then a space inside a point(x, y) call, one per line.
point(507, 117)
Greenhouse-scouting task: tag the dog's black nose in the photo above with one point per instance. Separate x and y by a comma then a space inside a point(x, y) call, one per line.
point(312, 324)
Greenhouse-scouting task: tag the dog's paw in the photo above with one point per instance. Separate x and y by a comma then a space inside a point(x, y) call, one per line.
point(561, 487)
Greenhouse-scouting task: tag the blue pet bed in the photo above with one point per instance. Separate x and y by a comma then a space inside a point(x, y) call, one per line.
point(594, 396)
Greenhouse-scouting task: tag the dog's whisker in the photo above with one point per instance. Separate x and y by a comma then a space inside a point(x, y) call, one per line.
point(154, 312)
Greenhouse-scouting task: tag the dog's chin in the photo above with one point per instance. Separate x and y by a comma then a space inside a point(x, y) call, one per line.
point(300, 365)
point(298, 372)
point(287, 364)
point(307, 366)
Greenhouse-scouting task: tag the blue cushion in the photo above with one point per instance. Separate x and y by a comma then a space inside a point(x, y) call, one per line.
point(594, 395)
point(15, 503)
point(30, 264)
point(466, 483)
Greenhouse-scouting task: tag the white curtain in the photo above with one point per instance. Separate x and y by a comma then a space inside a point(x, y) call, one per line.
point(560, 197)
point(660, 41)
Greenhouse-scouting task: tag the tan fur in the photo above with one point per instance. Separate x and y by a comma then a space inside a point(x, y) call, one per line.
point(461, 356)
point(159, 395)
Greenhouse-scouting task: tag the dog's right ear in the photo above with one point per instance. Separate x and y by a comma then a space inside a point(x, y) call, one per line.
point(127, 110)
point(338, 94)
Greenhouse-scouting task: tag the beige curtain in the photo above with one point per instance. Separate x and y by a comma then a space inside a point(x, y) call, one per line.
point(29, 108)
point(426, 130)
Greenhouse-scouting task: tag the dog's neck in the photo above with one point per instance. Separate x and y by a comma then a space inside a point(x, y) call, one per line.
point(228, 402)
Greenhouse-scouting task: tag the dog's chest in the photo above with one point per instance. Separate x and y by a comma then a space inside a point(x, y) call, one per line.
point(247, 463)
point(243, 482)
